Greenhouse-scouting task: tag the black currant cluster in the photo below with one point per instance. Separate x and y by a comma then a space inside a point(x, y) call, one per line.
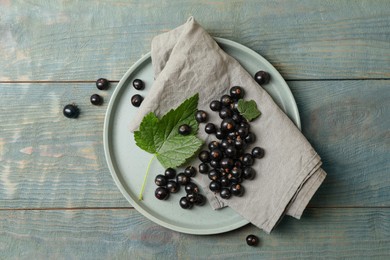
point(137, 99)
point(72, 110)
point(226, 162)
point(169, 183)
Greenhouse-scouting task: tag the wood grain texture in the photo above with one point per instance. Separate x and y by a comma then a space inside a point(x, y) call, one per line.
point(84, 40)
point(348, 124)
point(125, 234)
point(50, 161)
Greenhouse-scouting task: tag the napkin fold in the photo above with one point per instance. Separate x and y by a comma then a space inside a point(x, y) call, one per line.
point(186, 61)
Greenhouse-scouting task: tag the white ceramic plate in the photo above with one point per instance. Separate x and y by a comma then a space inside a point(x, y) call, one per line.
point(128, 163)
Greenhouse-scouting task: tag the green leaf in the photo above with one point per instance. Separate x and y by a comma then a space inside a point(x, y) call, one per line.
point(248, 109)
point(161, 138)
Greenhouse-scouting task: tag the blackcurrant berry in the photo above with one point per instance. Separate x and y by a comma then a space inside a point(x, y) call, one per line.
point(96, 100)
point(210, 128)
point(247, 159)
point(258, 152)
point(191, 188)
point(216, 154)
point(160, 180)
point(191, 197)
point(250, 138)
point(227, 163)
point(161, 193)
point(236, 172)
point(203, 168)
point(214, 175)
point(201, 116)
point(225, 193)
point(173, 186)
point(225, 112)
point(230, 151)
point(182, 179)
point(200, 200)
point(213, 145)
point(102, 84)
point(237, 190)
point(71, 111)
point(243, 132)
point(226, 100)
point(138, 84)
point(248, 173)
point(215, 164)
point(215, 186)
point(225, 182)
point(204, 156)
point(215, 105)
point(170, 173)
point(252, 240)
point(237, 92)
point(219, 134)
point(184, 129)
point(136, 100)
point(262, 77)
point(190, 171)
point(228, 125)
point(185, 203)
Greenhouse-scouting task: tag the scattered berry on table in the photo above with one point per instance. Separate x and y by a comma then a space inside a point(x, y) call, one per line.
point(138, 84)
point(136, 100)
point(102, 84)
point(252, 240)
point(71, 111)
point(96, 100)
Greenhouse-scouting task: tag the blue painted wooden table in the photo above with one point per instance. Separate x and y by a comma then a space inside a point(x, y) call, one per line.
point(57, 197)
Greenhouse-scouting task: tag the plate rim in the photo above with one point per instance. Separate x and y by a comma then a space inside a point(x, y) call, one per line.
point(109, 159)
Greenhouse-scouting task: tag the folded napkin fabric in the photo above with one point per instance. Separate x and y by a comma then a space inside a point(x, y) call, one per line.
point(186, 61)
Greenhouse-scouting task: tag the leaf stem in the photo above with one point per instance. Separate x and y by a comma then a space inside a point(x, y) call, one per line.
point(145, 178)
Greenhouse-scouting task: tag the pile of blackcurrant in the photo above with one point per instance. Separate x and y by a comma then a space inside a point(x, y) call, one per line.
point(170, 182)
point(227, 161)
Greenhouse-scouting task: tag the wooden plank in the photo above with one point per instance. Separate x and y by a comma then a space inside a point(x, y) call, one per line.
point(347, 122)
point(125, 234)
point(83, 40)
point(50, 161)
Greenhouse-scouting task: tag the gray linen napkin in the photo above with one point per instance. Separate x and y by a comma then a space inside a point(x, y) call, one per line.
point(187, 60)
